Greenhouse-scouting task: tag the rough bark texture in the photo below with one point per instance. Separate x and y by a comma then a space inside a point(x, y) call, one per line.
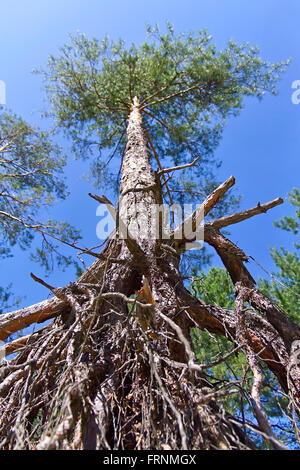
point(113, 371)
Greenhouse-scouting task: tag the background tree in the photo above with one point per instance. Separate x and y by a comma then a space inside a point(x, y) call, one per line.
point(216, 286)
point(31, 180)
point(103, 375)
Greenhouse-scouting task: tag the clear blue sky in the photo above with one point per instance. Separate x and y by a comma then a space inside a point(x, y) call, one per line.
point(260, 147)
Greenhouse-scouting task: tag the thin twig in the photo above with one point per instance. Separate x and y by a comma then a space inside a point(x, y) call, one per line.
point(180, 167)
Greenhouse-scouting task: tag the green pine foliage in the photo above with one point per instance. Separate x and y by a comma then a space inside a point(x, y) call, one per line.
point(7, 298)
point(215, 287)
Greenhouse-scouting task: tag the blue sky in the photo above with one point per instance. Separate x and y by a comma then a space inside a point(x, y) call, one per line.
point(260, 147)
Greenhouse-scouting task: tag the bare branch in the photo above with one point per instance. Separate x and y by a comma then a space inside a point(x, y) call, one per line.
point(181, 167)
point(241, 336)
point(14, 346)
point(37, 313)
point(130, 241)
point(233, 259)
point(103, 200)
point(192, 222)
point(240, 216)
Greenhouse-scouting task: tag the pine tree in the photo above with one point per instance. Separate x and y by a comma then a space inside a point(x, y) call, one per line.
point(116, 369)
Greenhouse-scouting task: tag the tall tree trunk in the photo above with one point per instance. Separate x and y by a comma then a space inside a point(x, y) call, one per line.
point(116, 368)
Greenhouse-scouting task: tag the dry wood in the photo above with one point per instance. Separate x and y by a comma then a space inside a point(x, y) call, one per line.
point(201, 211)
point(38, 313)
point(240, 216)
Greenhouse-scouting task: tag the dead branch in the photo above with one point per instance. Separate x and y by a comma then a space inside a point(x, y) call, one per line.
point(122, 228)
point(14, 346)
point(37, 313)
point(240, 216)
point(233, 259)
point(158, 163)
point(190, 224)
point(180, 167)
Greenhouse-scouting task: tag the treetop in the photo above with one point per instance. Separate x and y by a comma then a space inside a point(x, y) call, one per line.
point(186, 88)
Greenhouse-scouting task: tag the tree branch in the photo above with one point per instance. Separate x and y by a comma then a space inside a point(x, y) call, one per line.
point(14, 346)
point(190, 224)
point(157, 119)
point(158, 163)
point(240, 216)
point(233, 259)
point(173, 95)
point(37, 313)
point(181, 167)
point(130, 241)
point(158, 92)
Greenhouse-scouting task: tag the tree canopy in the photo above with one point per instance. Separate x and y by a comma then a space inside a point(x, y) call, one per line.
point(215, 286)
point(187, 88)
